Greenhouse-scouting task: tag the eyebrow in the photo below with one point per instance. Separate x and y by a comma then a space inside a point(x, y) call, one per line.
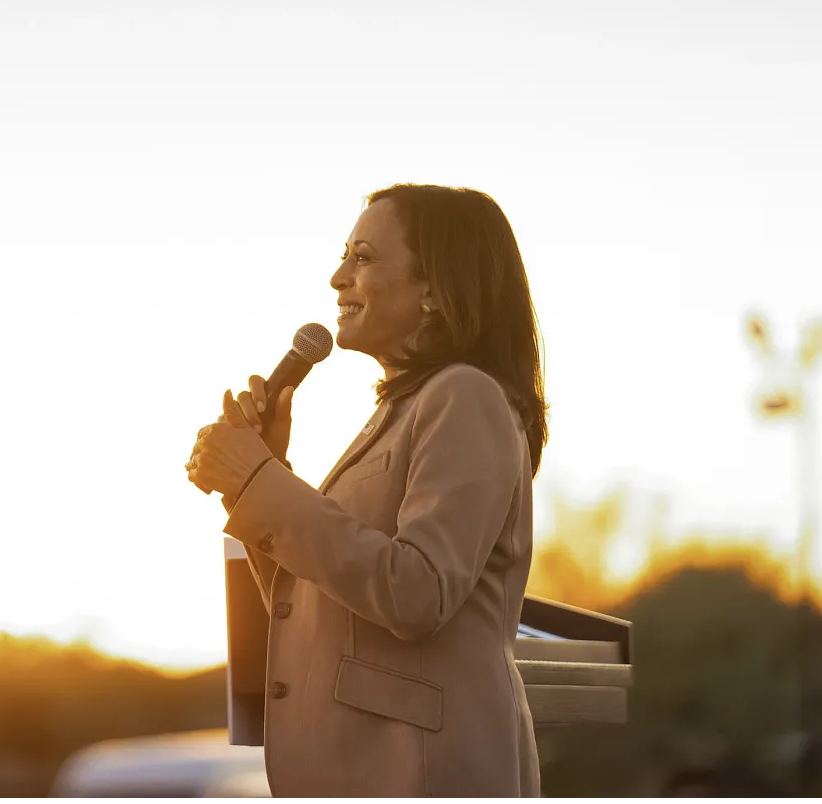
point(357, 243)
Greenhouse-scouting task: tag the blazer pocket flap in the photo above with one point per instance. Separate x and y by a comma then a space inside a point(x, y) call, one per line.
point(369, 468)
point(389, 693)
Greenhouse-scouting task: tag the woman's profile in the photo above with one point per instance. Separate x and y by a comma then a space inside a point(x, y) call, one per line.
point(395, 589)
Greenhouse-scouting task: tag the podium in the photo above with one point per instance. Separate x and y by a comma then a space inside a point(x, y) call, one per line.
point(576, 664)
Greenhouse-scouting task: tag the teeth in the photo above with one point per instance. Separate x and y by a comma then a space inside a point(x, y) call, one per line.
point(350, 309)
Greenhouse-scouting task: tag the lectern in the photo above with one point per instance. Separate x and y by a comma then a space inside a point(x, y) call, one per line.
point(576, 664)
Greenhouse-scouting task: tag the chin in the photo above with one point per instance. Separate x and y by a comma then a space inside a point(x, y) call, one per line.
point(353, 342)
point(347, 339)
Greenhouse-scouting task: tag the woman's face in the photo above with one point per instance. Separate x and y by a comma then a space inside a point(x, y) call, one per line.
point(380, 298)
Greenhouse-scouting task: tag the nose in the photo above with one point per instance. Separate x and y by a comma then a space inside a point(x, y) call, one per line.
point(342, 278)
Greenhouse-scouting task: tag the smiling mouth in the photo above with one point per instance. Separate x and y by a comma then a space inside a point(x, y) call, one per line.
point(349, 310)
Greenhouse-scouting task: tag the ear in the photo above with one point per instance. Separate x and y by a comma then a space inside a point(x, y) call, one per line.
point(427, 303)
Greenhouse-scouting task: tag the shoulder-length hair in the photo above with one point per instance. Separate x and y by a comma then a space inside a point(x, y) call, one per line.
point(465, 247)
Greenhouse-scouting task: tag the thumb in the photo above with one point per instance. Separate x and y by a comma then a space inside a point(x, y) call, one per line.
point(231, 411)
point(284, 403)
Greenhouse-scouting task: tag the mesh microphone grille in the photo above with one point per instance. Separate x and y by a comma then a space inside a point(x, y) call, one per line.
point(313, 342)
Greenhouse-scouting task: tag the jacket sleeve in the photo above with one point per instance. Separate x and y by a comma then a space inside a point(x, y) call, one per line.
point(465, 467)
point(263, 567)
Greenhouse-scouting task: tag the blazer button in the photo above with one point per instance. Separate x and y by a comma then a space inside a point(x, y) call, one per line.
point(278, 690)
point(282, 610)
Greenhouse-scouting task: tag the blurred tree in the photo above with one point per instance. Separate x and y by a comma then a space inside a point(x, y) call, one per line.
point(569, 564)
point(716, 656)
point(55, 699)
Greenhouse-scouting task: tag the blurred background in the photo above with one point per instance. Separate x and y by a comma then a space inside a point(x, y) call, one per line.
point(178, 182)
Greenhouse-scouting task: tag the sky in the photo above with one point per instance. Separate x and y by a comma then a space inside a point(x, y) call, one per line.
point(177, 181)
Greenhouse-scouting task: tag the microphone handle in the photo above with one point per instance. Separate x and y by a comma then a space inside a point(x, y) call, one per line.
point(292, 370)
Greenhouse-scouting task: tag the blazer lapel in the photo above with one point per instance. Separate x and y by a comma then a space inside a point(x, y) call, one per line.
point(367, 436)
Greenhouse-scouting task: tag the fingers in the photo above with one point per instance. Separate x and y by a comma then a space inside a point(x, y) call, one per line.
point(197, 451)
point(253, 402)
point(247, 406)
point(284, 403)
point(242, 413)
point(231, 411)
point(193, 468)
point(199, 464)
point(256, 385)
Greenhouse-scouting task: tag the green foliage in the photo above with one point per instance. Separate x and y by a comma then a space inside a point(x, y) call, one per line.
point(716, 682)
point(717, 656)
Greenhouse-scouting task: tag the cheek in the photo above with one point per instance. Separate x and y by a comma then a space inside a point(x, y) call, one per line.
point(391, 306)
point(380, 296)
point(393, 311)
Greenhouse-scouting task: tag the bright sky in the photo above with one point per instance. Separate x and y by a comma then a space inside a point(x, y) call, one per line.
point(178, 179)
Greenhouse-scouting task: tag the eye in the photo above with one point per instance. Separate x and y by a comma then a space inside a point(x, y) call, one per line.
point(358, 257)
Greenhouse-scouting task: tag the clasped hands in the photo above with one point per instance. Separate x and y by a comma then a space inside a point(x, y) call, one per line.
point(226, 452)
point(229, 450)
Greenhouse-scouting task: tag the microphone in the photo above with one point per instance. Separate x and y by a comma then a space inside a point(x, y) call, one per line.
point(311, 345)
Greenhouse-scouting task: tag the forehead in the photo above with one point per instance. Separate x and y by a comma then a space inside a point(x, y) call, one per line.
point(379, 225)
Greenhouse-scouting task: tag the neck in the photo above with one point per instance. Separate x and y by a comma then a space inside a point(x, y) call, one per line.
point(390, 371)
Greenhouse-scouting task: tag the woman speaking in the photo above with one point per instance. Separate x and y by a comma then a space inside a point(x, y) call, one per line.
point(395, 591)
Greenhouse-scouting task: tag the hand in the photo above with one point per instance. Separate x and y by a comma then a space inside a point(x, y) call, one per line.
point(277, 433)
point(226, 452)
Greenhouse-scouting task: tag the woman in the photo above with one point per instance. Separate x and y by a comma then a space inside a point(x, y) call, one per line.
point(395, 590)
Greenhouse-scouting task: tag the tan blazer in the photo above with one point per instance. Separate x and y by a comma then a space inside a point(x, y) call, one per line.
point(395, 593)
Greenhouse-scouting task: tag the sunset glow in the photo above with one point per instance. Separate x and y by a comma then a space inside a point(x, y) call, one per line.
point(178, 184)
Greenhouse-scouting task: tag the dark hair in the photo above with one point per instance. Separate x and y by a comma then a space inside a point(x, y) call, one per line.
point(683, 780)
point(485, 317)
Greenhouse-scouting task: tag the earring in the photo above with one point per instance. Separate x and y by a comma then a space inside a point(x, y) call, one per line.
point(425, 307)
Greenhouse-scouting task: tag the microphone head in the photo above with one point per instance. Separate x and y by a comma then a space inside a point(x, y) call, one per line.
point(313, 342)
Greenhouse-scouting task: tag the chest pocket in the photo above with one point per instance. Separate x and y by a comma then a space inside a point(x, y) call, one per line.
point(370, 467)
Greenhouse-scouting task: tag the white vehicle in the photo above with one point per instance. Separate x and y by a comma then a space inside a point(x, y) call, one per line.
point(193, 764)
